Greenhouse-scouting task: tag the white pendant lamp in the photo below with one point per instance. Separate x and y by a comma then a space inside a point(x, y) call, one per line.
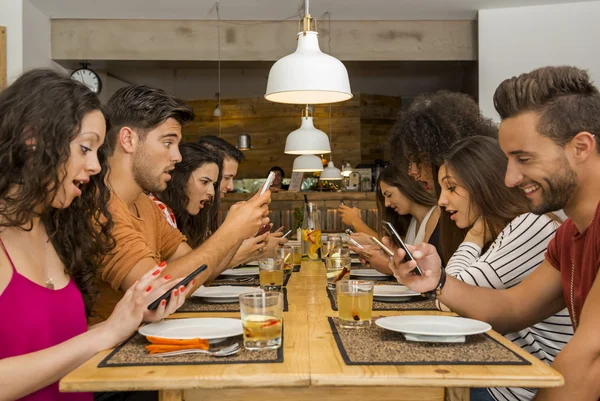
point(308, 76)
point(331, 173)
point(307, 163)
point(307, 139)
point(346, 169)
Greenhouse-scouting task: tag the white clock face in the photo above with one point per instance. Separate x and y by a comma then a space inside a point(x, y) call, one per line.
point(89, 78)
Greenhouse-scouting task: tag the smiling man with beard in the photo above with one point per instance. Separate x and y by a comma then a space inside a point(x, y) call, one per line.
point(144, 136)
point(550, 122)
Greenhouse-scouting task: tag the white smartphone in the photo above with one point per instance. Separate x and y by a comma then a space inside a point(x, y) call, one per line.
point(380, 244)
point(268, 182)
point(286, 234)
point(356, 244)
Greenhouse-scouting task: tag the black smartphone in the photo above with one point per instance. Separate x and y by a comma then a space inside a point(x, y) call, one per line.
point(391, 231)
point(184, 282)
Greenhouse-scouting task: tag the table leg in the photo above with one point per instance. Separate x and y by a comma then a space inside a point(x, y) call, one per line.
point(171, 395)
point(457, 394)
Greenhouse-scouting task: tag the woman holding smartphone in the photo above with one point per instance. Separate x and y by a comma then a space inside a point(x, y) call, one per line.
point(54, 231)
point(503, 244)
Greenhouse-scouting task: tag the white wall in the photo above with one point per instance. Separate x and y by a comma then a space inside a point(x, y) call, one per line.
point(36, 39)
point(11, 16)
point(517, 40)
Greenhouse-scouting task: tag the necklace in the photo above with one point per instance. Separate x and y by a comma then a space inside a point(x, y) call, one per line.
point(572, 289)
point(49, 282)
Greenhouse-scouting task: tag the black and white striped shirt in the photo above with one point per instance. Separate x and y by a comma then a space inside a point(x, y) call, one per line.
point(517, 251)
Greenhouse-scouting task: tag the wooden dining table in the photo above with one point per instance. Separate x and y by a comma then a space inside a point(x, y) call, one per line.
point(313, 368)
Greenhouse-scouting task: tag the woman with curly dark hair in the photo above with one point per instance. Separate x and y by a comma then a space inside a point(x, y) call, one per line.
point(54, 231)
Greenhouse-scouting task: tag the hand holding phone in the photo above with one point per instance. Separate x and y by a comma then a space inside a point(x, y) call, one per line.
point(263, 229)
point(268, 182)
point(354, 243)
point(382, 246)
point(391, 231)
point(184, 282)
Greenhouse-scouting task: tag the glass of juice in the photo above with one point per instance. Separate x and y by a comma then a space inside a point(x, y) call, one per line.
point(297, 255)
point(287, 254)
point(338, 268)
point(262, 320)
point(270, 269)
point(355, 303)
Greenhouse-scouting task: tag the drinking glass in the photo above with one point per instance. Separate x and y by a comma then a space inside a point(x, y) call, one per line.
point(338, 268)
point(297, 254)
point(287, 254)
point(270, 269)
point(262, 320)
point(355, 303)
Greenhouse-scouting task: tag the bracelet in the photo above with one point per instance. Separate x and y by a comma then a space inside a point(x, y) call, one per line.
point(437, 291)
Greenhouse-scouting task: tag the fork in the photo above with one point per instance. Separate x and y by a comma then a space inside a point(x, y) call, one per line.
point(231, 350)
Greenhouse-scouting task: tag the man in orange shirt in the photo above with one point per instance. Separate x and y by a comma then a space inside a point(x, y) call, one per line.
point(145, 131)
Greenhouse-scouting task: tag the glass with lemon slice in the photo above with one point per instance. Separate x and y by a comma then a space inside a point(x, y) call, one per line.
point(311, 232)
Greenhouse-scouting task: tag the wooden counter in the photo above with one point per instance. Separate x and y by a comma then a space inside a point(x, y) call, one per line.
point(313, 368)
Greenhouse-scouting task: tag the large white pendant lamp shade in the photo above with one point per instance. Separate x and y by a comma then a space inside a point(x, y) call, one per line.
point(308, 76)
point(307, 139)
point(331, 173)
point(307, 163)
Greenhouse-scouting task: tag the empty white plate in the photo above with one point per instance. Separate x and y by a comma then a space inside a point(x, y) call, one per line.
point(252, 263)
point(372, 274)
point(241, 272)
point(393, 293)
point(213, 329)
point(223, 294)
point(430, 328)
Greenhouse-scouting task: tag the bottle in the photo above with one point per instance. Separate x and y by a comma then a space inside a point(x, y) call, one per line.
point(311, 232)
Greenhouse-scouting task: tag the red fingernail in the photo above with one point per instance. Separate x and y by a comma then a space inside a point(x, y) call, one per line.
point(162, 264)
point(163, 302)
point(168, 277)
point(149, 289)
point(193, 282)
point(156, 272)
point(182, 288)
point(175, 292)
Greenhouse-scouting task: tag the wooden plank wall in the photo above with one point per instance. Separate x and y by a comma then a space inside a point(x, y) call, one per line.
point(269, 124)
point(2, 57)
point(378, 115)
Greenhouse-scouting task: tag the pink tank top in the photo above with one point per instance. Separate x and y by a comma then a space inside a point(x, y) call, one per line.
point(35, 318)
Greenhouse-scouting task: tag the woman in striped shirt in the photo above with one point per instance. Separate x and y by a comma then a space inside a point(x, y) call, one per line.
point(503, 242)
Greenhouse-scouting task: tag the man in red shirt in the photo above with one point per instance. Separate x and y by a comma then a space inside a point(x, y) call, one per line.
point(550, 122)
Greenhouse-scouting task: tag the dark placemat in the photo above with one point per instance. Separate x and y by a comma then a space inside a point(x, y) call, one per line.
point(376, 346)
point(246, 281)
point(416, 303)
point(133, 353)
point(197, 304)
point(296, 269)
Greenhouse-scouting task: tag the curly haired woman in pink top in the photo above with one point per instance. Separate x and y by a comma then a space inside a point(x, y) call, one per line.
point(54, 230)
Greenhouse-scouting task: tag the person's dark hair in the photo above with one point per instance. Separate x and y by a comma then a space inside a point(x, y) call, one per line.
point(565, 97)
point(277, 168)
point(40, 114)
point(143, 108)
point(478, 165)
point(222, 145)
point(395, 176)
point(193, 155)
point(433, 123)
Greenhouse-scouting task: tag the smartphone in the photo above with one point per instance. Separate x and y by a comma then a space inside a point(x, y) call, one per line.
point(342, 203)
point(286, 234)
point(184, 282)
point(349, 231)
point(391, 231)
point(268, 182)
point(380, 244)
point(356, 244)
point(263, 229)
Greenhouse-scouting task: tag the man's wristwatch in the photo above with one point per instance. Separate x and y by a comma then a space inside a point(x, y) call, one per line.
point(437, 291)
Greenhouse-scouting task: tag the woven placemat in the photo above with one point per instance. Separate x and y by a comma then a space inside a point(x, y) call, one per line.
point(376, 346)
point(197, 304)
point(416, 303)
point(246, 281)
point(133, 353)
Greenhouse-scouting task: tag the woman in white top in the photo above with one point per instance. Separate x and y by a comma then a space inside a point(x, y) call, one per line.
point(503, 243)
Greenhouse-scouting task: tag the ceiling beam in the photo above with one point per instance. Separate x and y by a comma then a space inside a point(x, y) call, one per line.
point(259, 40)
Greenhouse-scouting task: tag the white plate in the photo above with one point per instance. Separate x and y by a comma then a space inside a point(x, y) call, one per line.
point(252, 263)
point(371, 273)
point(433, 328)
point(213, 329)
point(393, 293)
point(241, 272)
point(223, 294)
